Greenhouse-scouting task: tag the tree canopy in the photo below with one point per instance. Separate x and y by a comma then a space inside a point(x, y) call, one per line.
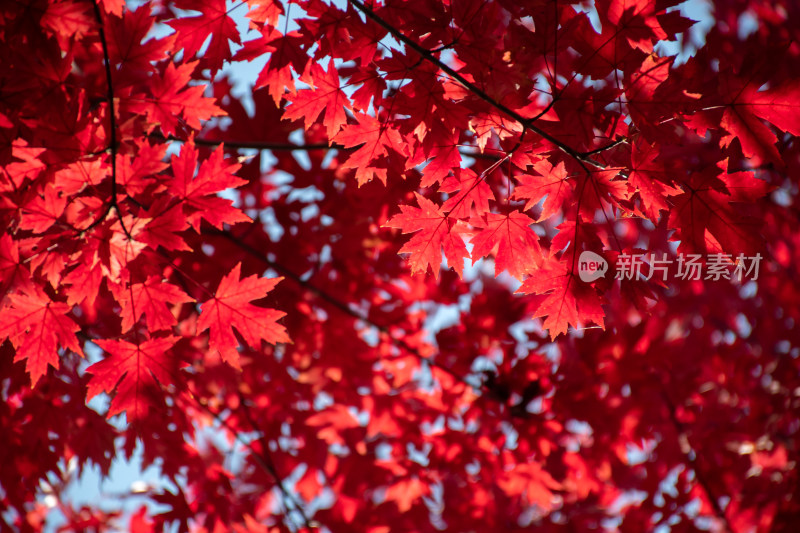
point(474, 265)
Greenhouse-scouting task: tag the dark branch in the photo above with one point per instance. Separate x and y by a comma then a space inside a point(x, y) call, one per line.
point(336, 303)
point(270, 463)
point(264, 461)
point(112, 120)
point(428, 55)
point(607, 147)
point(259, 145)
point(290, 147)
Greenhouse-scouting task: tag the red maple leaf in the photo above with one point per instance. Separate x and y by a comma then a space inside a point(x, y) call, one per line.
point(516, 245)
point(198, 188)
point(136, 371)
point(374, 140)
point(326, 95)
point(748, 107)
point(568, 301)
point(264, 12)
point(167, 220)
point(118, 243)
point(552, 182)
point(12, 272)
point(83, 282)
point(434, 232)
point(193, 32)
point(37, 327)
point(650, 180)
point(150, 299)
point(286, 54)
point(230, 308)
point(473, 192)
point(67, 20)
point(128, 43)
point(172, 97)
point(41, 212)
point(708, 215)
point(136, 172)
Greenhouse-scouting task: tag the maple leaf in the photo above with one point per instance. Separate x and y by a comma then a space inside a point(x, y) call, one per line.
point(84, 283)
point(552, 182)
point(80, 174)
point(67, 20)
point(326, 95)
point(517, 245)
point(747, 108)
point(648, 179)
point(708, 215)
point(13, 274)
point(374, 140)
point(433, 233)
point(119, 244)
point(192, 32)
point(150, 299)
point(198, 188)
point(166, 221)
point(568, 301)
point(173, 97)
point(37, 327)
point(264, 12)
point(30, 165)
point(137, 172)
point(135, 371)
point(441, 151)
point(128, 43)
point(230, 308)
point(642, 96)
point(473, 192)
point(43, 210)
point(287, 54)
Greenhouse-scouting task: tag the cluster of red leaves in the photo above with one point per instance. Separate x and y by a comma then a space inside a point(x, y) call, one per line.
point(150, 213)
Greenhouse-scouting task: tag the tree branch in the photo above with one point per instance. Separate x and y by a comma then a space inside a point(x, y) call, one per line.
point(265, 461)
point(291, 147)
point(336, 303)
point(428, 55)
point(609, 146)
point(269, 463)
point(112, 119)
